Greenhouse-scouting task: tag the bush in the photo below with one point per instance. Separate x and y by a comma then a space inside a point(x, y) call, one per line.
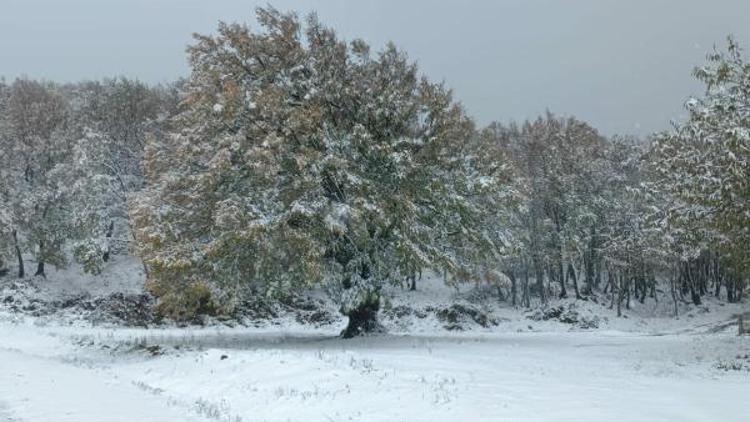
point(454, 315)
point(189, 303)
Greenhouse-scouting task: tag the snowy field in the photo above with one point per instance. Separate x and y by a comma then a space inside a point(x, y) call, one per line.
point(254, 376)
point(635, 369)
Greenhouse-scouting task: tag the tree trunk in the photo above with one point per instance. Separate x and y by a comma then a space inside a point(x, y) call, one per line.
point(729, 282)
point(19, 256)
point(628, 288)
point(110, 232)
point(612, 288)
point(526, 298)
point(691, 281)
point(574, 277)
point(673, 290)
point(621, 281)
point(561, 274)
point(739, 289)
point(608, 285)
point(540, 281)
point(589, 259)
point(644, 290)
point(718, 279)
point(363, 318)
point(40, 269)
point(513, 289)
point(40, 263)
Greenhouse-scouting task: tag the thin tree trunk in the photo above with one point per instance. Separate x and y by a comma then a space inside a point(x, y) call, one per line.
point(561, 274)
point(19, 256)
point(673, 289)
point(692, 285)
point(540, 282)
point(110, 232)
point(526, 298)
point(612, 280)
point(717, 277)
point(589, 262)
point(513, 289)
point(628, 288)
point(620, 283)
point(40, 263)
point(574, 278)
point(739, 286)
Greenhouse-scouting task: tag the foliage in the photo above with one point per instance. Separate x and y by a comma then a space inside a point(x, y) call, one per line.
point(301, 159)
point(705, 162)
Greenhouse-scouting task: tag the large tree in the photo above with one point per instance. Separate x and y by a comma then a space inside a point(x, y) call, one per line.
point(302, 159)
point(704, 165)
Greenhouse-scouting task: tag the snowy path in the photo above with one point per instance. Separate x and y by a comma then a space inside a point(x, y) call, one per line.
point(250, 376)
point(44, 389)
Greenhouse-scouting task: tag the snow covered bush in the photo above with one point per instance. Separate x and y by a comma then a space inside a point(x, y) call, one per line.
point(302, 159)
point(193, 300)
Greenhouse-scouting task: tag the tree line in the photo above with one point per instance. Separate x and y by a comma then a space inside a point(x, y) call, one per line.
point(70, 155)
point(292, 158)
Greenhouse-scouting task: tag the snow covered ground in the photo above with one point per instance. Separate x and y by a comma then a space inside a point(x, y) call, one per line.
point(258, 377)
point(647, 367)
point(53, 373)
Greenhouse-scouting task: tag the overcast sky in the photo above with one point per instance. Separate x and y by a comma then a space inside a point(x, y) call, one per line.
point(623, 65)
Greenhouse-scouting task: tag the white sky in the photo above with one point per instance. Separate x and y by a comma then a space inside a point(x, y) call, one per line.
point(623, 65)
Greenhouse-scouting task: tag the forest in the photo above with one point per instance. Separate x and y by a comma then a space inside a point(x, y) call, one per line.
point(292, 158)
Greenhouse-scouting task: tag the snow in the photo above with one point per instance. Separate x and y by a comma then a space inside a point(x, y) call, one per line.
point(42, 389)
point(245, 374)
point(123, 274)
point(540, 377)
point(648, 367)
